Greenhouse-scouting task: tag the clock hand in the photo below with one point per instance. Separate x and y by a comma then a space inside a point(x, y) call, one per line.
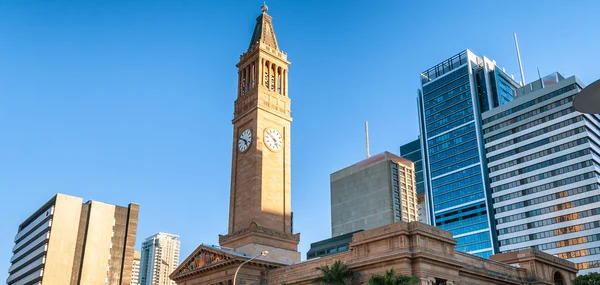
point(245, 141)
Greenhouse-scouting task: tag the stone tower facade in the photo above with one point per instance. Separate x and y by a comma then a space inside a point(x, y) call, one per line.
point(260, 215)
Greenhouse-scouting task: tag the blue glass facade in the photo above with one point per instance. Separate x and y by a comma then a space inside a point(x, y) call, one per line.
point(454, 93)
point(412, 152)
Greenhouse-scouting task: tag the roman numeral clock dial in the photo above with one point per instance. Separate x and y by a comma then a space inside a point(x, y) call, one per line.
point(245, 140)
point(273, 139)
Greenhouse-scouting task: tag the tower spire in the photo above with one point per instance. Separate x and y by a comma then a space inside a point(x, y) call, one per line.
point(263, 31)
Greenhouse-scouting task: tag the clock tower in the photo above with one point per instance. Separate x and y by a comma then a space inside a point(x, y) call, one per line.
point(260, 216)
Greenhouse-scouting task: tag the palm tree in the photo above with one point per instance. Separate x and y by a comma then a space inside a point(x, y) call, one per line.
point(337, 274)
point(390, 278)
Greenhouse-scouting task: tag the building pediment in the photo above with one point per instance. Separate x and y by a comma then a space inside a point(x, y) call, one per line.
point(205, 258)
point(208, 258)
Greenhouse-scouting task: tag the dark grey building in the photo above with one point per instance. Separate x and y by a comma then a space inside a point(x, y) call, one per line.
point(330, 246)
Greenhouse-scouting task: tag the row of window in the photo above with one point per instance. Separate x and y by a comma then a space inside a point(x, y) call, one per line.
point(587, 264)
point(529, 114)
point(459, 132)
point(458, 165)
point(455, 112)
point(535, 144)
point(471, 226)
point(568, 242)
point(453, 195)
point(434, 166)
point(554, 220)
point(479, 237)
point(532, 124)
point(476, 246)
point(456, 185)
point(453, 151)
point(473, 217)
point(540, 165)
point(539, 154)
point(542, 176)
point(462, 211)
point(444, 84)
point(547, 186)
point(546, 198)
point(579, 253)
point(551, 233)
point(451, 125)
point(549, 209)
point(530, 103)
point(435, 108)
point(475, 170)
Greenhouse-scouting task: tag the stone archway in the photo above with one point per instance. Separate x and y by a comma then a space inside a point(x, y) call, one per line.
point(558, 279)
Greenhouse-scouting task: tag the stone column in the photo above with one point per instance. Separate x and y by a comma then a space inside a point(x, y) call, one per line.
point(428, 281)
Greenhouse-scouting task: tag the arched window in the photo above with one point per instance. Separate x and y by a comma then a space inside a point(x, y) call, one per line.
point(558, 279)
point(272, 72)
point(279, 80)
point(266, 69)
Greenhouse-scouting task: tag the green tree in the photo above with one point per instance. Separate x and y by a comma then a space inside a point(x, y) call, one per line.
point(587, 279)
point(390, 278)
point(337, 274)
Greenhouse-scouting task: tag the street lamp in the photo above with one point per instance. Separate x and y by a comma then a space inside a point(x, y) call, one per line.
point(588, 99)
point(264, 253)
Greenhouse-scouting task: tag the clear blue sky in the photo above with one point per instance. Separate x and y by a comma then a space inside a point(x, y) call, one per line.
point(131, 101)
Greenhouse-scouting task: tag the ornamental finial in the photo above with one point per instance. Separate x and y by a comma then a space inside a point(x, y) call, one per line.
point(264, 8)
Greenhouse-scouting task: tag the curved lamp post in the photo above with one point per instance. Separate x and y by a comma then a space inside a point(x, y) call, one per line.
point(264, 253)
point(588, 99)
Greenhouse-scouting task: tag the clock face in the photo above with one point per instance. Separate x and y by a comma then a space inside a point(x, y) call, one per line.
point(273, 139)
point(245, 140)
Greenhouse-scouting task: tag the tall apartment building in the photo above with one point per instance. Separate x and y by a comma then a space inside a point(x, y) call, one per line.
point(544, 168)
point(372, 193)
point(412, 152)
point(135, 270)
point(160, 257)
point(453, 95)
point(67, 241)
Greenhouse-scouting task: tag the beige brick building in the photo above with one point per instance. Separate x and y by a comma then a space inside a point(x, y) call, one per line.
point(67, 242)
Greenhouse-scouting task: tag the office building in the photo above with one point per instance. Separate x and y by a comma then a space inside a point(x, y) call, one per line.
point(453, 95)
point(67, 241)
point(135, 270)
point(160, 256)
point(544, 169)
point(377, 191)
point(412, 152)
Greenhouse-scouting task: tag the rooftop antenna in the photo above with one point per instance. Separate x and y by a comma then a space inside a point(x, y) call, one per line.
point(367, 137)
point(540, 76)
point(519, 57)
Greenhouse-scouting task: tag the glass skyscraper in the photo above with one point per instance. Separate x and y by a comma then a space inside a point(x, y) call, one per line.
point(453, 95)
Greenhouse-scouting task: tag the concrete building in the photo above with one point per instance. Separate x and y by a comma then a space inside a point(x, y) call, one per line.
point(412, 152)
point(135, 270)
point(544, 168)
point(454, 93)
point(67, 241)
point(160, 256)
point(377, 191)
